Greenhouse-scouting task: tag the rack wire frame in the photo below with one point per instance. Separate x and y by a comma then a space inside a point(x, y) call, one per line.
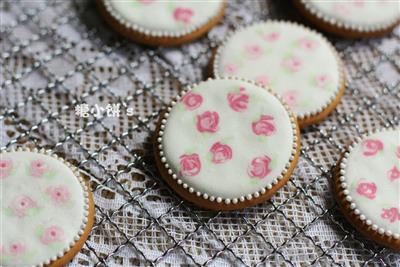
point(42, 115)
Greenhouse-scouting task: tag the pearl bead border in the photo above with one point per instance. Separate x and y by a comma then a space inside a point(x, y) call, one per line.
point(343, 185)
point(85, 190)
point(341, 81)
point(156, 33)
point(344, 24)
point(218, 199)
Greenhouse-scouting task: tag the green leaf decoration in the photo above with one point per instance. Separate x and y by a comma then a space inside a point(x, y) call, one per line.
point(28, 256)
point(207, 135)
point(292, 44)
point(194, 120)
point(254, 181)
point(57, 246)
point(27, 171)
point(44, 197)
point(287, 55)
point(311, 81)
point(259, 31)
point(171, 6)
point(39, 231)
point(180, 107)
point(8, 212)
point(4, 259)
point(268, 50)
point(209, 158)
point(304, 103)
point(50, 174)
point(255, 99)
point(33, 211)
point(262, 138)
point(273, 83)
point(190, 151)
point(274, 159)
point(227, 140)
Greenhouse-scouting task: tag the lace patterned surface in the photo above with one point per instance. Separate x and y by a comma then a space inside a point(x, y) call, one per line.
point(56, 55)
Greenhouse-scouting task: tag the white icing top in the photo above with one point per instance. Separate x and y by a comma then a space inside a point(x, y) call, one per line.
point(228, 138)
point(295, 62)
point(164, 16)
point(372, 179)
point(42, 206)
point(364, 13)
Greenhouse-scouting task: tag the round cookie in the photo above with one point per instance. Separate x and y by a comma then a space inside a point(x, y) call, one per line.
point(354, 19)
point(162, 22)
point(367, 186)
point(227, 144)
point(295, 62)
point(46, 209)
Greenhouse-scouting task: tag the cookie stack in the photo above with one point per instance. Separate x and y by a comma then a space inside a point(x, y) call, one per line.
point(233, 140)
point(226, 143)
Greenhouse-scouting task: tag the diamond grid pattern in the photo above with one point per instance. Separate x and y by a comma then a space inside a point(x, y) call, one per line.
point(58, 54)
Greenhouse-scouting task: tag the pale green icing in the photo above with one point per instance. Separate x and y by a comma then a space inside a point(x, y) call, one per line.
point(373, 181)
point(359, 12)
point(229, 179)
point(33, 200)
point(166, 15)
point(268, 49)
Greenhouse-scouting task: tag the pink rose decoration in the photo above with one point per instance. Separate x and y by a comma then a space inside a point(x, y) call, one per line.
point(21, 205)
point(322, 80)
point(271, 37)
point(290, 97)
point(367, 189)
point(58, 194)
point(392, 214)
point(238, 101)
point(262, 79)
point(264, 126)
point(398, 152)
point(230, 68)
point(146, 2)
point(371, 147)
point(207, 122)
point(183, 14)
point(5, 168)
point(393, 174)
point(38, 168)
point(259, 167)
point(221, 153)
point(192, 100)
point(16, 248)
point(52, 234)
point(292, 64)
point(307, 44)
point(254, 51)
point(190, 165)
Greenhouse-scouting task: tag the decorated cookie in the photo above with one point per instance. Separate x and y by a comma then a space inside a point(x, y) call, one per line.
point(353, 18)
point(368, 186)
point(295, 62)
point(226, 144)
point(46, 209)
point(162, 22)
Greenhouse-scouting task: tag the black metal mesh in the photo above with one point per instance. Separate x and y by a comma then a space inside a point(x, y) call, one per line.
point(56, 55)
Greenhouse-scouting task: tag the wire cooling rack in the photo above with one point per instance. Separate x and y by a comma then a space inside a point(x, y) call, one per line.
point(58, 55)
